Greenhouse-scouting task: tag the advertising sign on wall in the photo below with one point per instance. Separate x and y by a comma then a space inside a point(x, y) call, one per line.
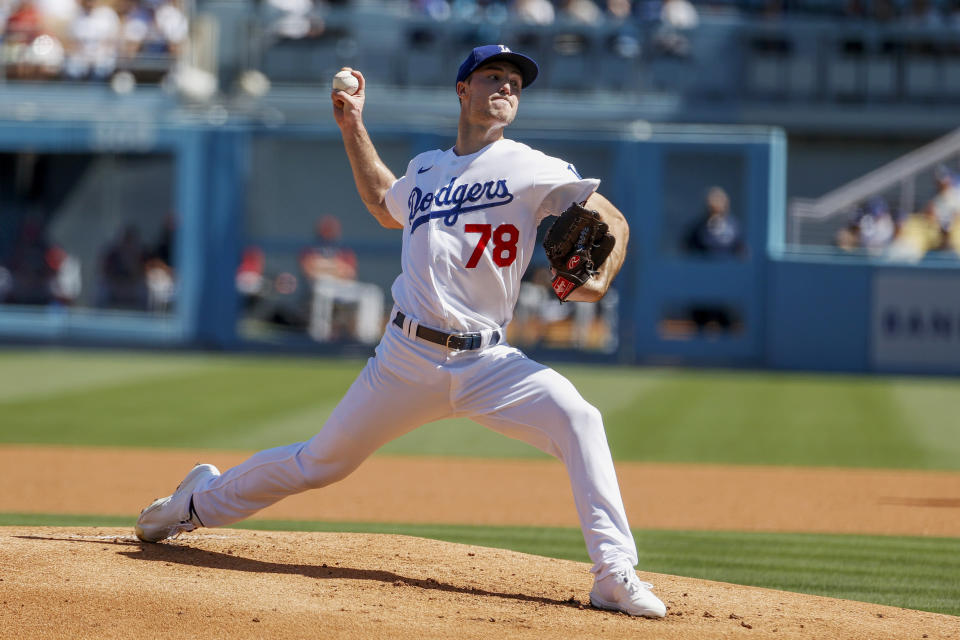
point(916, 322)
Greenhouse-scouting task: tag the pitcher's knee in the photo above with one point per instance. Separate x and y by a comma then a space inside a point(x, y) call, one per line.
point(583, 422)
point(585, 414)
point(320, 472)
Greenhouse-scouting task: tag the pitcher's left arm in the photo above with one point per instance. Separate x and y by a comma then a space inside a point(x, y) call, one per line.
point(598, 285)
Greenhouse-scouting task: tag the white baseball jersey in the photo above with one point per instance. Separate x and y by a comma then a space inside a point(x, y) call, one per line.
point(469, 233)
point(470, 225)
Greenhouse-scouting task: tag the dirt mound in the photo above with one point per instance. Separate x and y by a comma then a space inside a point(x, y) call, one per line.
point(103, 583)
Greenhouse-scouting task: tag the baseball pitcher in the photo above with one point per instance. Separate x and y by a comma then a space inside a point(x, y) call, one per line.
point(468, 217)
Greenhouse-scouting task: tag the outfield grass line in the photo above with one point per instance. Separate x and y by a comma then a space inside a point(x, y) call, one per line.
point(651, 414)
point(45, 374)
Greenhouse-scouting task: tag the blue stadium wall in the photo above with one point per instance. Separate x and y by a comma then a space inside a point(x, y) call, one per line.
point(792, 311)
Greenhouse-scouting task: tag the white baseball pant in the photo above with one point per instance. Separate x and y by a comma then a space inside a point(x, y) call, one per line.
point(411, 382)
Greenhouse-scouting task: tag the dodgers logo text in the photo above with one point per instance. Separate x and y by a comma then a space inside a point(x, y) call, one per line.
point(452, 200)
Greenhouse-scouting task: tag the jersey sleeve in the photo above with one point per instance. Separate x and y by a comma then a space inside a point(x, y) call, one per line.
point(395, 199)
point(399, 192)
point(558, 184)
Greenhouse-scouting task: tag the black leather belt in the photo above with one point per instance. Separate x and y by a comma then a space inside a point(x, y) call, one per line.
point(455, 341)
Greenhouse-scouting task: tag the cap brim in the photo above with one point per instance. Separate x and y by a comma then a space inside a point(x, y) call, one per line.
point(528, 68)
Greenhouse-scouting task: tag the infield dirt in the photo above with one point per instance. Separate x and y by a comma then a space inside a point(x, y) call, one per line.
point(73, 582)
point(102, 583)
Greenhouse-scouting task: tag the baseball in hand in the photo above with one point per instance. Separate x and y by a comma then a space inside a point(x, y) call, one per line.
point(345, 81)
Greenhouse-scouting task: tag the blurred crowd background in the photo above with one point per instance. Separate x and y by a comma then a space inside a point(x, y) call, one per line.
point(91, 39)
point(864, 91)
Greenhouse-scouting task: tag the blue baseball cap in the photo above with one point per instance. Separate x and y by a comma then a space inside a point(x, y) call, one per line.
point(488, 53)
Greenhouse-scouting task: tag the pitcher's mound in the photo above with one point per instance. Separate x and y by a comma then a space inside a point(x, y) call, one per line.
point(226, 583)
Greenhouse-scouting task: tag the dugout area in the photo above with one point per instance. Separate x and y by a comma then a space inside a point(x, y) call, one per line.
point(241, 182)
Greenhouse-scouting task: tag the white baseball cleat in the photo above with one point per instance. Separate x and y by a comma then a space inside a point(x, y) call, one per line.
point(623, 591)
point(171, 516)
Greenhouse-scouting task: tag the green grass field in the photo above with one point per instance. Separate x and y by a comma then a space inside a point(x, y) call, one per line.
point(664, 415)
point(233, 402)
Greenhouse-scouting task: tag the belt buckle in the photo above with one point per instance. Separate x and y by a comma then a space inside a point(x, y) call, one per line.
point(463, 341)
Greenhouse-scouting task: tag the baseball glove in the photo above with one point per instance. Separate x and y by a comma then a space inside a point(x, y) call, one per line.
point(576, 246)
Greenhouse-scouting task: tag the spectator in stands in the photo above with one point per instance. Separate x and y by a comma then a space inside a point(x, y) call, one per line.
point(918, 234)
point(135, 22)
point(152, 28)
point(58, 14)
point(160, 273)
point(582, 11)
point(65, 284)
point(172, 27)
point(717, 233)
point(249, 279)
point(848, 236)
point(340, 307)
point(676, 18)
point(539, 12)
point(871, 228)
point(30, 272)
point(84, 39)
point(876, 226)
point(30, 50)
point(946, 202)
point(679, 14)
point(38, 272)
point(327, 257)
point(291, 19)
point(123, 272)
point(94, 43)
point(619, 9)
point(328, 269)
point(23, 22)
point(953, 236)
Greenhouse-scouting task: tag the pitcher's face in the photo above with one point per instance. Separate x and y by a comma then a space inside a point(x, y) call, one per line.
point(492, 93)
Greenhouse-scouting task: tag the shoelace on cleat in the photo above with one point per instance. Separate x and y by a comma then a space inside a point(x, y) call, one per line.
point(632, 584)
point(175, 530)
